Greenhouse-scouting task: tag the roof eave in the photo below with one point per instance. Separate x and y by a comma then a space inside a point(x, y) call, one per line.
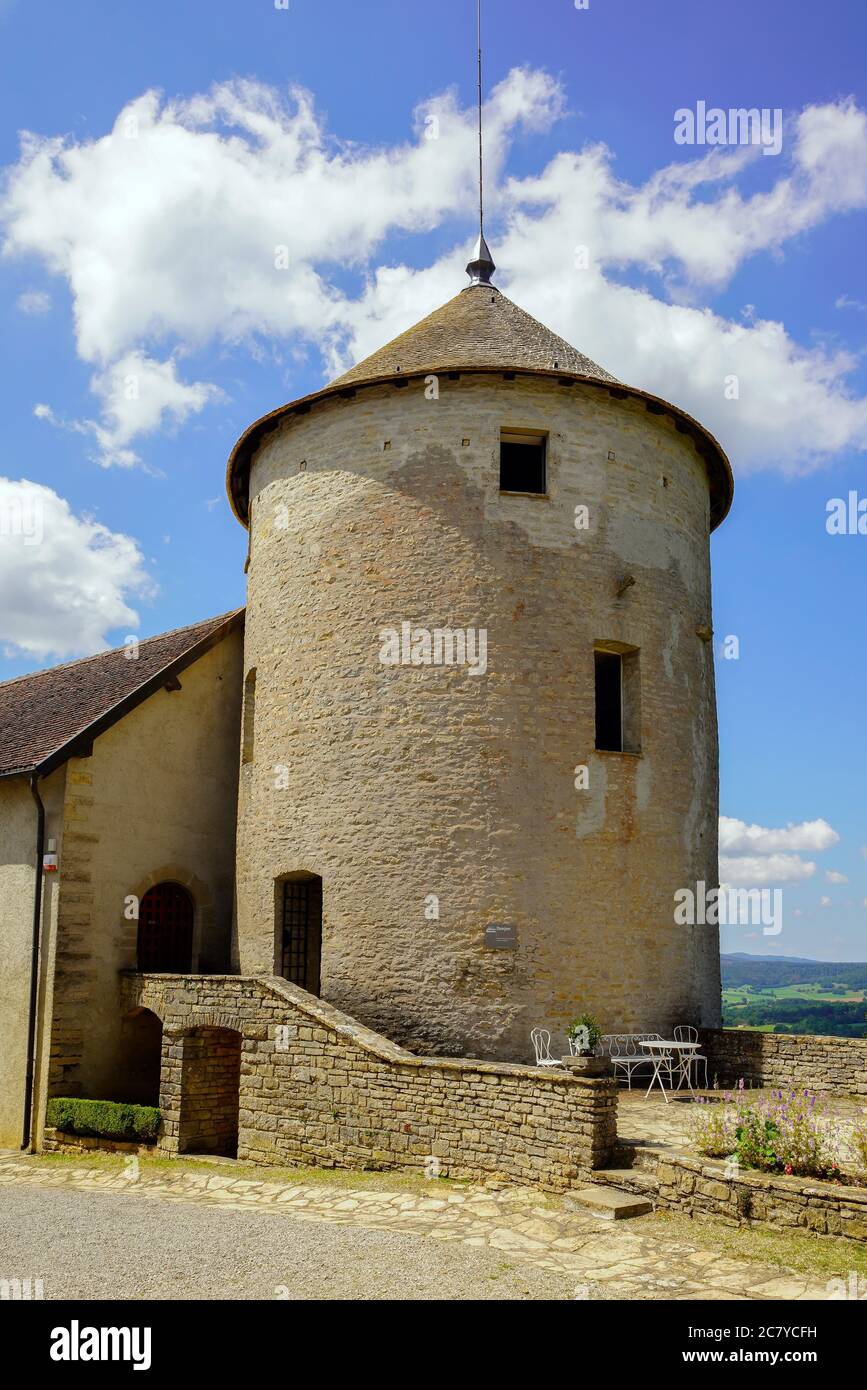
point(720, 477)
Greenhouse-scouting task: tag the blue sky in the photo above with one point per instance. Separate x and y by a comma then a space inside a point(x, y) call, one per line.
point(147, 254)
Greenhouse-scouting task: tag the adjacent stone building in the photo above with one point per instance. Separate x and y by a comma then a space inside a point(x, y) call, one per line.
point(466, 731)
point(119, 775)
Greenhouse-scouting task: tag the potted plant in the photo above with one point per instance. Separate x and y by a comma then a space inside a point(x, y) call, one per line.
point(583, 1034)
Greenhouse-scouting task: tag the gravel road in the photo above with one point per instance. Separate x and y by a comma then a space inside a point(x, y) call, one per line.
point(95, 1245)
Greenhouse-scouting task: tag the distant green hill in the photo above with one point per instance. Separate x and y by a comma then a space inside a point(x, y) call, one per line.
point(788, 995)
point(788, 970)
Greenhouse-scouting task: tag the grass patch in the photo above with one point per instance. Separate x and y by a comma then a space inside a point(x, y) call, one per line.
point(816, 1256)
point(161, 1166)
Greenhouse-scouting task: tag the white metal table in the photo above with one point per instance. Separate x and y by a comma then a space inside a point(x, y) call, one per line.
point(659, 1048)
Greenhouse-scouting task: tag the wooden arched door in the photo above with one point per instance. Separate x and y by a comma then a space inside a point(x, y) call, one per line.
point(165, 930)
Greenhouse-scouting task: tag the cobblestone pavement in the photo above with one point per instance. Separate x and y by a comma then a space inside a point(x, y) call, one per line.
point(592, 1258)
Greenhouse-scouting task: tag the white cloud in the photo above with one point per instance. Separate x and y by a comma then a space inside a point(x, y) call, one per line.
point(33, 302)
point(758, 854)
point(844, 302)
point(736, 836)
point(834, 876)
point(138, 397)
point(690, 227)
point(66, 580)
point(151, 227)
point(174, 249)
point(824, 902)
point(753, 870)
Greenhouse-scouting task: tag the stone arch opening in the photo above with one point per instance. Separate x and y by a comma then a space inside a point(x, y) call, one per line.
point(165, 930)
point(210, 1092)
point(298, 929)
point(139, 1058)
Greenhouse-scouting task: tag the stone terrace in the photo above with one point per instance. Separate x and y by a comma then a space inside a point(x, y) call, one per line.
point(660, 1163)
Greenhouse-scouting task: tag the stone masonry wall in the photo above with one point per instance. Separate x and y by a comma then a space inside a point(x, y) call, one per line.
point(787, 1059)
point(56, 1141)
point(318, 1088)
point(700, 1187)
point(211, 1071)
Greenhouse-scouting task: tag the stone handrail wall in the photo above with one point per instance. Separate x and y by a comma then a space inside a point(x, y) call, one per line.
point(786, 1059)
point(342, 1095)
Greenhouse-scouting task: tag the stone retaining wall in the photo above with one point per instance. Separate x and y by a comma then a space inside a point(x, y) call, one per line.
point(700, 1187)
point(787, 1059)
point(57, 1141)
point(318, 1088)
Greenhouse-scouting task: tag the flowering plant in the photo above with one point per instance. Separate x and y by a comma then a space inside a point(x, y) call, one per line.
point(786, 1132)
point(858, 1140)
point(714, 1126)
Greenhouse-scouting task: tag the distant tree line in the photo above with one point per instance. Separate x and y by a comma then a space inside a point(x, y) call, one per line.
point(771, 974)
point(800, 1016)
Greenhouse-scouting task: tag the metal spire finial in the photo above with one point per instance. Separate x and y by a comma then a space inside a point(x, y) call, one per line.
point(481, 267)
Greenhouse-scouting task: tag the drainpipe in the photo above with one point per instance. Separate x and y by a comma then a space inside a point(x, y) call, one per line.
point(34, 964)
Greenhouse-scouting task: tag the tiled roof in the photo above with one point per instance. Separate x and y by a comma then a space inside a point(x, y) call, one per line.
point(44, 715)
point(478, 328)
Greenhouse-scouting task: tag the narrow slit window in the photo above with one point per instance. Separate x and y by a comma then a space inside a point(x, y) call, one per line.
point(618, 700)
point(248, 734)
point(609, 702)
point(523, 462)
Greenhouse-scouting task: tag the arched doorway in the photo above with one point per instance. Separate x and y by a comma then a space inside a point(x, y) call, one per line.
point(210, 1086)
point(139, 1057)
point(299, 929)
point(165, 930)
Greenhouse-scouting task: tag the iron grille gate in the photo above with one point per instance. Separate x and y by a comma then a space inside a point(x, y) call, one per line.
point(302, 932)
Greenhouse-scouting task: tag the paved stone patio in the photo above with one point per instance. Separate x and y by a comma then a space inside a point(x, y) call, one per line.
point(596, 1259)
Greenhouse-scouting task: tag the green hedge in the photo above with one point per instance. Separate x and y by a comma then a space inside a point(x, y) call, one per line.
point(104, 1119)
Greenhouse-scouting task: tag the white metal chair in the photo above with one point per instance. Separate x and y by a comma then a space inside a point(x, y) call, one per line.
point(541, 1040)
point(684, 1032)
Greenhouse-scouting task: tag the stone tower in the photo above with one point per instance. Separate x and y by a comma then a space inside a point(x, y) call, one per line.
point(490, 844)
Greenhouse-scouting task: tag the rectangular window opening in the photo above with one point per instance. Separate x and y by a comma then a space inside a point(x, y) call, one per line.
point(618, 704)
point(300, 930)
point(523, 462)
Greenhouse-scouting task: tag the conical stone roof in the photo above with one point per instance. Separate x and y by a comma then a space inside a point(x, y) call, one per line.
point(480, 327)
point(478, 331)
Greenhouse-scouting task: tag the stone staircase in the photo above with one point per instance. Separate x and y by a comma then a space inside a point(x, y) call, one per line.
point(628, 1187)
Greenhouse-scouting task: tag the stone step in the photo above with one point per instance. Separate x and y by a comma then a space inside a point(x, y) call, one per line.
point(609, 1202)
